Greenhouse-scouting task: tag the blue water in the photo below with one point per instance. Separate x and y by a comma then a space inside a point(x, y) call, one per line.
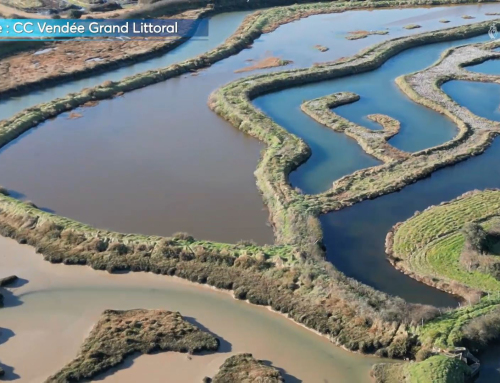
point(335, 155)
point(482, 99)
point(487, 67)
point(354, 237)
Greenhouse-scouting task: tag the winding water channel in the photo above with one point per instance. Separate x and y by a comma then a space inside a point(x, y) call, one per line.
point(117, 153)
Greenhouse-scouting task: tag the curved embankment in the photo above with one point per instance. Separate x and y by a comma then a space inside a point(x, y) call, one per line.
point(295, 215)
point(475, 134)
point(119, 334)
point(253, 26)
point(373, 142)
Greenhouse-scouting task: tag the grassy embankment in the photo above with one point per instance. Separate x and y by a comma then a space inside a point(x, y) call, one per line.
point(285, 151)
point(436, 369)
point(282, 277)
point(429, 246)
point(373, 142)
point(430, 243)
point(119, 334)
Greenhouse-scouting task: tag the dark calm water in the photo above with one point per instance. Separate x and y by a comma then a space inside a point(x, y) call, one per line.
point(490, 365)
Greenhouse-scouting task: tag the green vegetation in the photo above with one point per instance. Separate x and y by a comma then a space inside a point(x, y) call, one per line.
point(245, 368)
point(356, 35)
point(436, 369)
point(482, 330)
point(446, 331)
point(119, 334)
point(431, 243)
point(310, 291)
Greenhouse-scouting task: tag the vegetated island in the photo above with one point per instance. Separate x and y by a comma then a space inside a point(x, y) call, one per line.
point(292, 277)
point(245, 368)
point(453, 246)
point(321, 48)
point(267, 62)
point(412, 26)
point(233, 103)
point(356, 35)
point(119, 334)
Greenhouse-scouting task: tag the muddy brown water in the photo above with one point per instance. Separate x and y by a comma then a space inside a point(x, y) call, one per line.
point(53, 308)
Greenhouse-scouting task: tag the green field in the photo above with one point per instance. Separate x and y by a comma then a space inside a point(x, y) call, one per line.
point(430, 243)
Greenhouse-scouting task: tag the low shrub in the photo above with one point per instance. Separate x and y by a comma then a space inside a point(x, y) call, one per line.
point(482, 331)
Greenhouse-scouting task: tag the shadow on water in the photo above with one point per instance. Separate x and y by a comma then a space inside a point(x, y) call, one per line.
point(224, 345)
point(21, 196)
point(16, 194)
point(490, 365)
point(5, 335)
point(9, 374)
point(9, 299)
point(288, 378)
